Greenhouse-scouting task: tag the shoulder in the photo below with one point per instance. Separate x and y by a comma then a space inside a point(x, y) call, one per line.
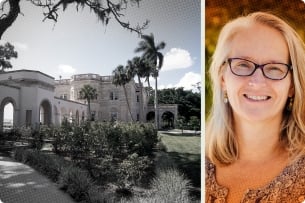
point(297, 168)
point(209, 167)
point(213, 191)
point(293, 181)
point(209, 171)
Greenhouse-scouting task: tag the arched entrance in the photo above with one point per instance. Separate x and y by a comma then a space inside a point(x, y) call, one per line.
point(77, 117)
point(70, 118)
point(168, 119)
point(83, 116)
point(7, 114)
point(150, 117)
point(56, 116)
point(45, 113)
point(63, 115)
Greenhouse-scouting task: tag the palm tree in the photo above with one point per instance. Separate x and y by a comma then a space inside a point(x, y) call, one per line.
point(88, 93)
point(121, 78)
point(152, 54)
point(138, 67)
point(142, 68)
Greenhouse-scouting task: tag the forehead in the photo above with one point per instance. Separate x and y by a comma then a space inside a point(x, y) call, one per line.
point(260, 43)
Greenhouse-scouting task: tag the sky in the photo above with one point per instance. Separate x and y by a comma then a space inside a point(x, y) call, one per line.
point(79, 43)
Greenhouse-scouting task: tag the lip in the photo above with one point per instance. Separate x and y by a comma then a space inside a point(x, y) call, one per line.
point(257, 98)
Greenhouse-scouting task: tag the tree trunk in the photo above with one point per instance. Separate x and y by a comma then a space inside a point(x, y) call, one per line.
point(148, 82)
point(156, 104)
point(141, 100)
point(10, 18)
point(128, 106)
point(89, 110)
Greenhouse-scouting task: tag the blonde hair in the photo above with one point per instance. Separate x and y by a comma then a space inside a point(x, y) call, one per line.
point(221, 144)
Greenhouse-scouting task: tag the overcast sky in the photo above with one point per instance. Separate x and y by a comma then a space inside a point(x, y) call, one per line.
point(79, 43)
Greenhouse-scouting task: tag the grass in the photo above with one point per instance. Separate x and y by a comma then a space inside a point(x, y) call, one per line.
point(181, 144)
point(185, 152)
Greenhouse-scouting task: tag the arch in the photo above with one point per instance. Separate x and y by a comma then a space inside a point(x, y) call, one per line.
point(77, 117)
point(83, 116)
point(70, 116)
point(114, 114)
point(150, 116)
point(56, 116)
point(45, 112)
point(167, 120)
point(63, 114)
point(6, 101)
point(8, 116)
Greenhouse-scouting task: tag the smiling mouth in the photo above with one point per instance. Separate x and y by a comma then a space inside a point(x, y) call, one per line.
point(257, 98)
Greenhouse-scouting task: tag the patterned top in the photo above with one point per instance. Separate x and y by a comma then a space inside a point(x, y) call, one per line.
point(288, 186)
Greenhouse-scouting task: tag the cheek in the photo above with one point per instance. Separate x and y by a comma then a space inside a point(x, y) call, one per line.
point(231, 82)
point(226, 80)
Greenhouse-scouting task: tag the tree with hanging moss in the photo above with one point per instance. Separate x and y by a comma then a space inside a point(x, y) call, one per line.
point(105, 10)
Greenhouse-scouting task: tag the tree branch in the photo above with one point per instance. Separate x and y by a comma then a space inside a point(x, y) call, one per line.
point(103, 13)
point(52, 6)
point(7, 20)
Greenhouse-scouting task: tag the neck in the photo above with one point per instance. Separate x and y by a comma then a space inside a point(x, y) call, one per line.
point(258, 142)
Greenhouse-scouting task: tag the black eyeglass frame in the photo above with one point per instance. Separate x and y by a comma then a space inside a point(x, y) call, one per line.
point(260, 66)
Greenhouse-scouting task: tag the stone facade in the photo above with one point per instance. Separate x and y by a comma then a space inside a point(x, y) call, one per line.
point(110, 102)
point(33, 98)
point(39, 99)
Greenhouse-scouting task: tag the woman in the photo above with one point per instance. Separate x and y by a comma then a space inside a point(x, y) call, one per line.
point(255, 137)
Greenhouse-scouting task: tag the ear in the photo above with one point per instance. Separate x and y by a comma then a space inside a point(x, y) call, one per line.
point(223, 83)
point(291, 90)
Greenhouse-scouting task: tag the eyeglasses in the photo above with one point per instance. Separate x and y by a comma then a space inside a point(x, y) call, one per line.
point(244, 67)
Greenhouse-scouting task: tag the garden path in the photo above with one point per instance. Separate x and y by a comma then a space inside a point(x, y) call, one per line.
point(20, 183)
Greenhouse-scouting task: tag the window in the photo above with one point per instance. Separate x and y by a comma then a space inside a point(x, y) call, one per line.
point(114, 96)
point(83, 116)
point(92, 115)
point(99, 115)
point(114, 116)
point(79, 95)
point(138, 117)
point(72, 92)
point(138, 98)
point(64, 96)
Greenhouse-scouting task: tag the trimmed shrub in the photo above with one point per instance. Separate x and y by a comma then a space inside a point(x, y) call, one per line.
point(18, 154)
point(140, 138)
point(107, 169)
point(48, 165)
point(37, 139)
point(133, 169)
point(76, 182)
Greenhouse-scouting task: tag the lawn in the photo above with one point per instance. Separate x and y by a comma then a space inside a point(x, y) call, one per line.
point(185, 152)
point(181, 144)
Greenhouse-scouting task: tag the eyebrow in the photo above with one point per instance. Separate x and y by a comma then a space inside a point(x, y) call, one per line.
point(253, 60)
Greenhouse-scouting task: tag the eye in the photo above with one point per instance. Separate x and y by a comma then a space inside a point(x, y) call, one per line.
point(276, 68)
point(242, 64)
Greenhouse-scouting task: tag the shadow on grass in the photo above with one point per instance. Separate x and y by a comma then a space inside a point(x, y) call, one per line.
point(189, 164)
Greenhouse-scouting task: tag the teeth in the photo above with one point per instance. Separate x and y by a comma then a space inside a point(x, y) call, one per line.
point(257, 98)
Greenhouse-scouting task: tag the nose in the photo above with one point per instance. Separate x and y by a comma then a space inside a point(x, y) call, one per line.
point(257, 78)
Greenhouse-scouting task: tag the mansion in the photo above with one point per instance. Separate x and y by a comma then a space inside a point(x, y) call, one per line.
point(38, 98)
